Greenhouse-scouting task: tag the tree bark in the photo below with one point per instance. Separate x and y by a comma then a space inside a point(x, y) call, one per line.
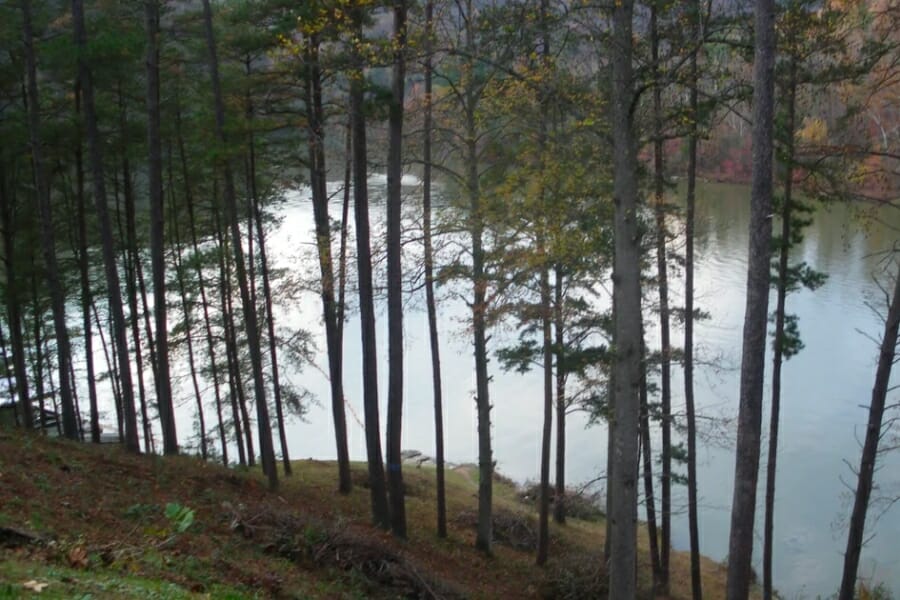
point(157, 232)
point(484, 535)
point(740, 549)
point(238, 399)
point(429, 277)
point(333, 341)
point(207, 321)
point(267, 288)
point(627, 294)
point(48, 238)
point(547, 429)
point(132, 265)
point(113, 288)
point(395, 274)
point(377, 488)
point(664, 334)
point(559, 507)
point(649, 496)
point(866, 473)
point(778, 341)
point(267, 451)
point(86, 293)
point(689, 409)
point(186, 307)
point(14, 304)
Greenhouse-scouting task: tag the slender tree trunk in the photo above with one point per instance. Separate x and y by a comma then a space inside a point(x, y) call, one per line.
point(377, 488)
point(53, 392)
point(249, 310)
point(547, 432)
point(649, 496)
point(429, 278)
point(8, 372)
point(131, 260)
point(484, 534)
point(627, 293)
point(83, 268)
point(866, 473)
point(559, 508)
point(778, 342)
point(663, 286)
point(186, 307)
point(256, 217)
point(317, 174)
point(235, 387)
point(545, 294)
point(37, 358)
point(114, 375)
point(239, 400)
point(690, 413)
point(157, 232)
point(14, 305)
point(743, 511)
point(270, 323)
point(345, 223)
point(195, 246)
point(109, 255)
point(48, 239)
point(395, 274)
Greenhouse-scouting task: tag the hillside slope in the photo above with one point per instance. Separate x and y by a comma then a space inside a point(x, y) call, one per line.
point(95, 522)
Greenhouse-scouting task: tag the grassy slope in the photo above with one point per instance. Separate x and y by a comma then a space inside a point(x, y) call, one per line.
point(104, 511)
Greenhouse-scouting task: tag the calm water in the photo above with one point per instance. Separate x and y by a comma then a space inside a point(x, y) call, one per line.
point(823, 389)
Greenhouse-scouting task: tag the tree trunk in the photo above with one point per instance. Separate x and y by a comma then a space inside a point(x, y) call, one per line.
point(484, 535)
point(111, 369)
point(663, 285)
point(627, 294)
point(429, 279)
point(740, 549)
point(238, 397)
point(131, 261)
point(649, 496)
point(316, 132)
point(48, 239)
point(395, 274)
point(559, 507)
point(207, 321)
point(109, 255)
point(690, 413)
point(778, 342)
point(545, 294)
point(186, 307)
point(256, 217)
point(14, 305)
point(86, 293)
point(547, 431)
point(249, 310)
point(157, 229)
point(380, 511)
point(866, 473)
point(10, 377)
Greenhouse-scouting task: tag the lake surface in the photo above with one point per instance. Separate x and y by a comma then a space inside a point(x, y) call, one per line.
point(826, 388)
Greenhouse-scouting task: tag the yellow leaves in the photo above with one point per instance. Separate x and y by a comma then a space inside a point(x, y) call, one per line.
point(813, 131)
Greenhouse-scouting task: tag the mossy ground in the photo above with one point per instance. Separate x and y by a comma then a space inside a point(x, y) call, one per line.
point(103, 514)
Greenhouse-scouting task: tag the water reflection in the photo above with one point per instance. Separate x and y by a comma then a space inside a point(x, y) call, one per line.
point(823, 387)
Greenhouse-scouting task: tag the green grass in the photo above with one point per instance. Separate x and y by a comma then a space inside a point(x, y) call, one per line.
point(96, 584)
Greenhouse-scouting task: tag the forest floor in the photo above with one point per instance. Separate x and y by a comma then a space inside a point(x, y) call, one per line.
point(83, 521)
